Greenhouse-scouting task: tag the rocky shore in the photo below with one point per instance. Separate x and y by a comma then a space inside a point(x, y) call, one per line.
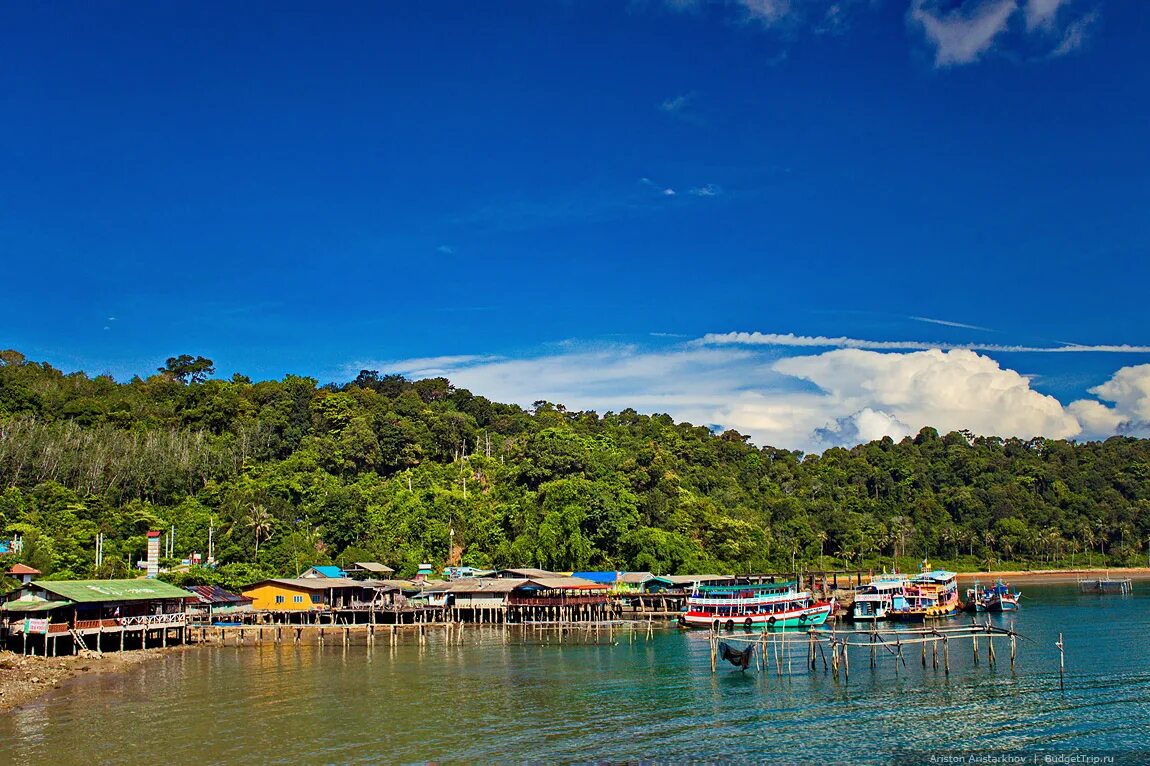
point(24, 678)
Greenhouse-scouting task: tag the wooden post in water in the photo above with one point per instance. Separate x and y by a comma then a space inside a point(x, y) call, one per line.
point(714, 649)
point(974, 648)
point(946, 654)
point(1061, 662)
point(1013, 648)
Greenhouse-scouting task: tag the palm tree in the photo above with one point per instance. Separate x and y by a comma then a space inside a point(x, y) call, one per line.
point(260, 522)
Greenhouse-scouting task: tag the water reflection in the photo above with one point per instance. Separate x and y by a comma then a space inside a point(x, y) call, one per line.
point(481, 699)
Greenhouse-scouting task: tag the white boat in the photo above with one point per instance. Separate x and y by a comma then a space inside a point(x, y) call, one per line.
point(874, 600)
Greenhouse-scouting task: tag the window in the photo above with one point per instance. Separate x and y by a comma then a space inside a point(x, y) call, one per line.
point(279, 599)
point(297, 599)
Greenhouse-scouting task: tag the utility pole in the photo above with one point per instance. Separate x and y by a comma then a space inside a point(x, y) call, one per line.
point(211, 530)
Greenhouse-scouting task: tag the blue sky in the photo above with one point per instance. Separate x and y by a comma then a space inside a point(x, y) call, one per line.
point(578, 201)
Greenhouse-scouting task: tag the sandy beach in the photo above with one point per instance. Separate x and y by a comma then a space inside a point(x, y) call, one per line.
point(1056, 575)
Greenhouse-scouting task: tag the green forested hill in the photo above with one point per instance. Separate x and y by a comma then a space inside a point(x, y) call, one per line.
point(290, 473)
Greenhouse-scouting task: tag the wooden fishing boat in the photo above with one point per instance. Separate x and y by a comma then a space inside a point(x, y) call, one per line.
point(874, 600)
point(932, 594)
point(770, 605)
point(997, 598)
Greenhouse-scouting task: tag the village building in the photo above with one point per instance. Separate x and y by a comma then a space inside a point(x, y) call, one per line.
point(23, 573)
point(362, 569)
point(94, 614)
point(524, 573)
point(211, 603)
point(329, 571)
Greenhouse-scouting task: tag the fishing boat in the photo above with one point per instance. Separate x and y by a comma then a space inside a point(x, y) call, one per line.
point(929, 595)
point(769, 605)
point(997, 598)
point(874, 600)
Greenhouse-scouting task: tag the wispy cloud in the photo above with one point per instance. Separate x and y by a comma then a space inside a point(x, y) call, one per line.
point(1075, 35)
point(706, 190)
point(766, 12)
point(947, 323)
point(666, 191)
point(959, 31)
point(820, 341)
point(962, 35)
point(445, 250)
point(1042, 13)
point(676, 104)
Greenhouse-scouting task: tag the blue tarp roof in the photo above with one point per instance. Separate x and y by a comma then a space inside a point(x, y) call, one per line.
point(604, 578)
point(328, 570)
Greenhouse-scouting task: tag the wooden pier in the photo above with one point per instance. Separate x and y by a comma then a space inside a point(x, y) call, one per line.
point(833, 648)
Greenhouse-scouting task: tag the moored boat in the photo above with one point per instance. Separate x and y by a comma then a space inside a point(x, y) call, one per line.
point(929, 595)
point(873, 601)
point(771, 605)
point(997, 598)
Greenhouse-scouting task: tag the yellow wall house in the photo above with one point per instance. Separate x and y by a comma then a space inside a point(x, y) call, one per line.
point(302, 594)
point(285, 595)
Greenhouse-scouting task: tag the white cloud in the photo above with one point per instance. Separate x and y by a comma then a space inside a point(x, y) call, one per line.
point(962, 35)
point(897, 394)
point(1129, 392)
point(843, 396)
point(822, 341)
point(445, 250)
point(1041, 13)
point(706, 190)
point(766, 12)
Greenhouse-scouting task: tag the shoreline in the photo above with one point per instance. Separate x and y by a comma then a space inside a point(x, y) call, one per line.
point(1057, 575)
point(26, 678)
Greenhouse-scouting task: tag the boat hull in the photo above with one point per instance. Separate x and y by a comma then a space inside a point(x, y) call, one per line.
point(811, 616)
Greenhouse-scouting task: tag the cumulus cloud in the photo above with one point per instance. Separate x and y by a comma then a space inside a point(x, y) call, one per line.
point(843, 396)
point(1128, 391)
point(900, 393)
point(822, 341)
point(962, 35)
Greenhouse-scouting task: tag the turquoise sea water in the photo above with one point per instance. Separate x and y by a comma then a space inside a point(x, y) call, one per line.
point(487, 701)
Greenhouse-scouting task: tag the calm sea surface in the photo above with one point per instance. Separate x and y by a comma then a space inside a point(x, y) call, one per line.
point(485, 701)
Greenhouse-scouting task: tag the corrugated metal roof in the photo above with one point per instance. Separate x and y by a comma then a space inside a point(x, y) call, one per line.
point(638, 578)
point(374, 566)
point(525, 573)
point(476, 585)
point(608, 578)
point(214, 594)
point(32, 605)
point(328, 570)
point(565, 583)
point(93, 591)
point(692, 579)
point(313, 583)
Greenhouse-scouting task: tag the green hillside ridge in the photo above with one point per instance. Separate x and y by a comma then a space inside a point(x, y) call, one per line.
point(291, 473)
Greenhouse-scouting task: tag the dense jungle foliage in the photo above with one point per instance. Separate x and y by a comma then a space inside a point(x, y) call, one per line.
point(289, 473)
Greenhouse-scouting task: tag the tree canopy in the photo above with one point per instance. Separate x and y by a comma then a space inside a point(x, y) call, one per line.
point(288, 473)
